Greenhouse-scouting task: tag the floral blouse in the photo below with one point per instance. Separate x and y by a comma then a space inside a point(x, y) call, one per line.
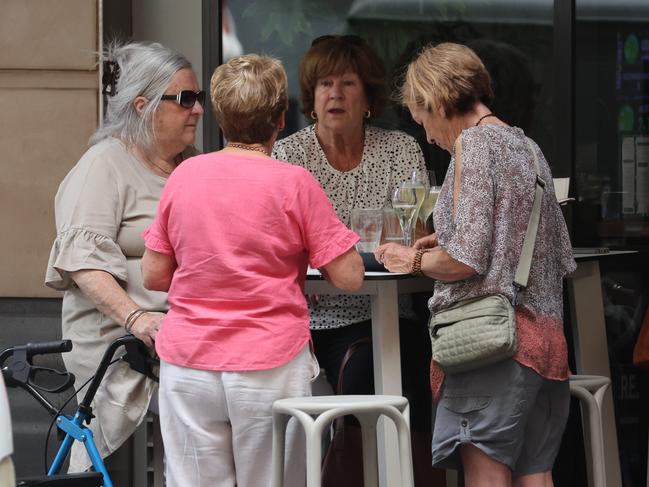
point(487, 232)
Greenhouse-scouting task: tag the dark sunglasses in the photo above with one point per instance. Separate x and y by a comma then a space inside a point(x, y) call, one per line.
point(187, 98)
point(351, 38)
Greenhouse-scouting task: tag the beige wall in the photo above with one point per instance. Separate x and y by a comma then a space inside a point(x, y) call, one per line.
point(49, 100)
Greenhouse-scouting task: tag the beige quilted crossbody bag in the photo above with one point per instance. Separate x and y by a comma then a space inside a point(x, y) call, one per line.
point(481, 331)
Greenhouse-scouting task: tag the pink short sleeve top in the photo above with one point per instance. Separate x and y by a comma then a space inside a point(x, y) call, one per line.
point(242, 230)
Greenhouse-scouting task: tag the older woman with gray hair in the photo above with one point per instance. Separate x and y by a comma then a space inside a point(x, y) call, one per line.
point(102, 207)
point(234, 233)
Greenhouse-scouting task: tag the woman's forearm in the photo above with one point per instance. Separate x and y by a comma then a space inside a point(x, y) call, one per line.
point(436, 263)
point(105, 293)
point(111, 300)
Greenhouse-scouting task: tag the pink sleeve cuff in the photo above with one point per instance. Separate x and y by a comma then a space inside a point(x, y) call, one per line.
point(155, 243)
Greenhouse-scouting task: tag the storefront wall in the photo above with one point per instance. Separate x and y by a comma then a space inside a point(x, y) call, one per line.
point(572, 73)
point(575, 76)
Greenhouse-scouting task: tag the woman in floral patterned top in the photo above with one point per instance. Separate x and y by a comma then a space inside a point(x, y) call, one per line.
point(503, 422)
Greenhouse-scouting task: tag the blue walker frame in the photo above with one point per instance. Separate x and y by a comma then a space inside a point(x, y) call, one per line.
point(18, 374)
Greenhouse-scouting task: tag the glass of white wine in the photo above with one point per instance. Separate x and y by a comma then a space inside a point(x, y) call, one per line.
point(419, 180)
point(404, 202)
point(428, 205)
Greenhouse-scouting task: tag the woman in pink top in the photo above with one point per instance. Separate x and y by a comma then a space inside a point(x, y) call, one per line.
point(501, 423)
point(234, 233)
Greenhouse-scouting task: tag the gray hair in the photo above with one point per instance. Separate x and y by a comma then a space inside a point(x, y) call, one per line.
point(145, 69)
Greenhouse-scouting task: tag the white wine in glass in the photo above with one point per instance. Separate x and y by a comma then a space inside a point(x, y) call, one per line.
point(419, 180)
point(404, 202)
point(428, 205)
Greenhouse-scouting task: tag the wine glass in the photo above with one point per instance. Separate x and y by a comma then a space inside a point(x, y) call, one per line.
point(404, 202)
point(428, 205)
point(430, 198)
point(418, 180)
point(431, 177)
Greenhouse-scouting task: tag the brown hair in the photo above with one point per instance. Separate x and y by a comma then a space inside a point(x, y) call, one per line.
point(335, 54)
point(450, 76)
point(249, 93)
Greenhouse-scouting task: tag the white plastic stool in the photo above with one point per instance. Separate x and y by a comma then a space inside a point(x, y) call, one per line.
point(590, 389)
point(315, 414)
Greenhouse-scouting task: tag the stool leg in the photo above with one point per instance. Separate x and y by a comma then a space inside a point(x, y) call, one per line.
point(596, 434)
point(405, 453)
point(401, 422)
point(313, 431)
point(280, 422)
point(370, 460)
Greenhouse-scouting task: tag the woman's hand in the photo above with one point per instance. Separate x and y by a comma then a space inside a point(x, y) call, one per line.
point(146, 327)
point(395, 257)
point(427, 242)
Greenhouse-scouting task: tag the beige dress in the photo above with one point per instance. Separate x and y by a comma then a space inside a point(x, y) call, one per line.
point(102, 207)
point(7, 476)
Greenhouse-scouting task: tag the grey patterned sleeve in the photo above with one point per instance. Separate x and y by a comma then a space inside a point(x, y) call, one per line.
point(474, 219)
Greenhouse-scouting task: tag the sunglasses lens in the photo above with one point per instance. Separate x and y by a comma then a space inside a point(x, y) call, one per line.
point(201, 98)
point(187, 98)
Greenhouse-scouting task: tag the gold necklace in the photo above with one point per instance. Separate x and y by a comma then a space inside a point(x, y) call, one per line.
point(142, 157)
point(162, 169)
point(236, 145)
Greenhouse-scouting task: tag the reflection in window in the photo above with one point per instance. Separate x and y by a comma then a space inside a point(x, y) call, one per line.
point(612, 124)
point(513, 38)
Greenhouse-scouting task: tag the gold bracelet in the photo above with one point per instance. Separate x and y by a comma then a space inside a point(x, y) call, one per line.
point(132, 317)
point(415, 268)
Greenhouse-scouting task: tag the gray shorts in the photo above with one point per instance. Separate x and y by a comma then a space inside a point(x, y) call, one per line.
point(506, 410)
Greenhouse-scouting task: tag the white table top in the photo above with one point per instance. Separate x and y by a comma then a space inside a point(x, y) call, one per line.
point(590, 256)
point(314, 274)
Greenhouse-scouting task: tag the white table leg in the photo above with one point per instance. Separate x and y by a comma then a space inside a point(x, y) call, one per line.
point(591, 351)
point(387, 374)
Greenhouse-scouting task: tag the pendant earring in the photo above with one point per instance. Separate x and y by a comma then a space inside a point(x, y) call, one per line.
point(313, 115)
point(368, 114)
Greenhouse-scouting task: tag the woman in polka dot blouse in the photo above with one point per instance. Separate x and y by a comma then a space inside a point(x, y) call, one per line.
point(342, 82)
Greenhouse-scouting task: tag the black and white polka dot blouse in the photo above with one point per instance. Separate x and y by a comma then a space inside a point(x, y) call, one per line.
point(389, 156)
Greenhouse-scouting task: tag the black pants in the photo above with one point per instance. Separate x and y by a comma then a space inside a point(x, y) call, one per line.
point(331, 346)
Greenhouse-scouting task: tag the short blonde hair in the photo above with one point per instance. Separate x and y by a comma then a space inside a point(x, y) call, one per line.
point(446, 75)
point(249, 93)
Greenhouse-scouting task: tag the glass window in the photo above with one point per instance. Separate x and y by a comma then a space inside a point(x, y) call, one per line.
point(514, 39)
point(612, 186)
point(612, 123)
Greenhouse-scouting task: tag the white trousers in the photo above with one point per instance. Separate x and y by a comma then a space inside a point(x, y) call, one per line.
point(217, 426)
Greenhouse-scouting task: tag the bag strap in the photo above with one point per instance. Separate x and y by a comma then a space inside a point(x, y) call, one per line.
point(351, 350)
point(348, 355)
point(525, 261)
